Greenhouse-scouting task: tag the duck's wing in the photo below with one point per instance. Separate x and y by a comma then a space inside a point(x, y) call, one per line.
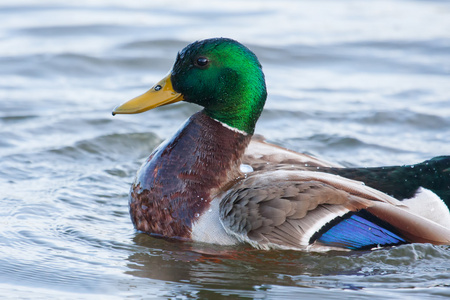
point(264, 156)
point(311, 210)
point(401, 182)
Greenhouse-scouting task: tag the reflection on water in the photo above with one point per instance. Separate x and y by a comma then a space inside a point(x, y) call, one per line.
point(209, 269)
point(358, 83)
point(177, 261)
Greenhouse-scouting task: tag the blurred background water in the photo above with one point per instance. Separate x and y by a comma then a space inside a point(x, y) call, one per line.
point(362, 83)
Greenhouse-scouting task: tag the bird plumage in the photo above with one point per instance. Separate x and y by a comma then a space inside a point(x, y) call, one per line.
point(214, 182)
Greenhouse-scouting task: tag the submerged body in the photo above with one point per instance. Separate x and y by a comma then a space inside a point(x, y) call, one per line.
point(192, 186)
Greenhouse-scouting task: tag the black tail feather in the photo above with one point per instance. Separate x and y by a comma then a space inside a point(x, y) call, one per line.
point(402, 182)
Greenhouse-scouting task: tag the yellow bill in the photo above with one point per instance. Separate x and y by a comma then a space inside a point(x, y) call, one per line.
point(160, 94)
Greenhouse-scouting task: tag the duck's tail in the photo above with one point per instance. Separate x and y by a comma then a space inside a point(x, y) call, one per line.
point(404, 182)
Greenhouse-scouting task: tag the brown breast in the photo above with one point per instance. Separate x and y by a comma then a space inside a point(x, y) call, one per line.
point(177, 182)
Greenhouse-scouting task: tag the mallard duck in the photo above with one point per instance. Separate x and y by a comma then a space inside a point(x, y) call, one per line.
point(215, 182)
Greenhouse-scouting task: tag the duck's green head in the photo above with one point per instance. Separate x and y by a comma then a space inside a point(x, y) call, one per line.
point(219, 74)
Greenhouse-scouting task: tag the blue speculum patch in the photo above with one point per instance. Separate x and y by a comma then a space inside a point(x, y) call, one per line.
point(360, 230)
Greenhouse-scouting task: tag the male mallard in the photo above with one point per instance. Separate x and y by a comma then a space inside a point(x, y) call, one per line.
point(212, 182)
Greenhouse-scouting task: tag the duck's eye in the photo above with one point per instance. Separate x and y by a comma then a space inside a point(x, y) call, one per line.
point(202, 61)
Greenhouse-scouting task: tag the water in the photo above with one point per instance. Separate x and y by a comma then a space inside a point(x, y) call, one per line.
point(355, 82)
